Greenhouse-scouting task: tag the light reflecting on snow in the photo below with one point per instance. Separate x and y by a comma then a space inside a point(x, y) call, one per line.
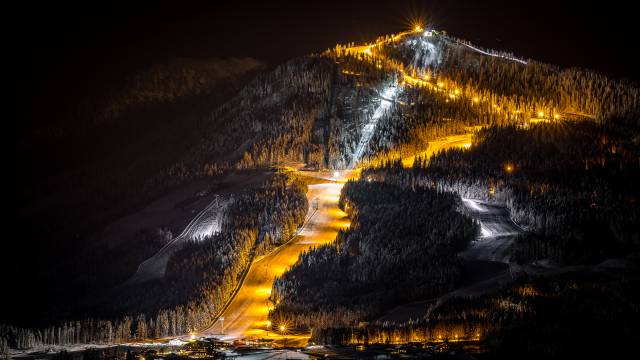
point(485, 232)
point(207, 223)
point(511, 58)
point(426, 54)
point(386, 99)
point(497, 231)
point(473, 205)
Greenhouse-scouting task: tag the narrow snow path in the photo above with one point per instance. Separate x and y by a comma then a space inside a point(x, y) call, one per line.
point(494, 55)
point(386, 99)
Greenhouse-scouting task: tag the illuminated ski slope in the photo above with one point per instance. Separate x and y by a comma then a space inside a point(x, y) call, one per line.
point(247, 313)
point(206, 223)
point(497, 232)
point(386, 99)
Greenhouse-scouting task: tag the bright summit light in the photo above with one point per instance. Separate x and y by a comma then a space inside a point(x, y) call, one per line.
point(417, 28)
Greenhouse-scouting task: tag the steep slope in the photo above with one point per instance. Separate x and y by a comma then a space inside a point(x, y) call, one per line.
point(347, 107)
point(388, 98)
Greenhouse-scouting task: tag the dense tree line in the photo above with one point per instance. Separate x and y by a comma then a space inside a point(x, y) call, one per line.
point(457, 87)
point(572, 89)
point(313, 109)
point(585, 314)
point(199, 278)
point(401, 245)
point(572, 185)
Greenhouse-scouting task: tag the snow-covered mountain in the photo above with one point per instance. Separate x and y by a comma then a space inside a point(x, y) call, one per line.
point(384, 99)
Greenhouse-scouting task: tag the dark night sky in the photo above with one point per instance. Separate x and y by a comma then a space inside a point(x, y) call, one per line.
point(69, 50)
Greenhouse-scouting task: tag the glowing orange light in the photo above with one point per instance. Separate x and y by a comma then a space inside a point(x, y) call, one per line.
point(540, 113)
point(263, 291)
point(556, 116)
point(440, 84)
point(508, 167)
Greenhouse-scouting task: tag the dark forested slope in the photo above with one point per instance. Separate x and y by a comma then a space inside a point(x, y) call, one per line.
point(401, 245)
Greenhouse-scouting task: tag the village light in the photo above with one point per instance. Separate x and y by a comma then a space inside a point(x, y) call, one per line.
point(508, 167)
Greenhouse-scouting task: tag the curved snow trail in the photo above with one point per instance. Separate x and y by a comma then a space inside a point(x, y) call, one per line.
point(206, 223)
point(494, 55)
point(386, 99)
point(497, 232)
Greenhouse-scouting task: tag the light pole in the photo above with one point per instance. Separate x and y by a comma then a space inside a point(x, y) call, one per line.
point(283, 330)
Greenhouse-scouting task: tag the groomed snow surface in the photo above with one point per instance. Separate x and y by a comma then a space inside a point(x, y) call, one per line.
point(497, 232)
point(386, 99)
point(206, 223)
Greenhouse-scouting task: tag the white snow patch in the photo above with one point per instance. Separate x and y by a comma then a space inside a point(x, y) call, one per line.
point(474, 205)
point(207, 223)
point(386, 99)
